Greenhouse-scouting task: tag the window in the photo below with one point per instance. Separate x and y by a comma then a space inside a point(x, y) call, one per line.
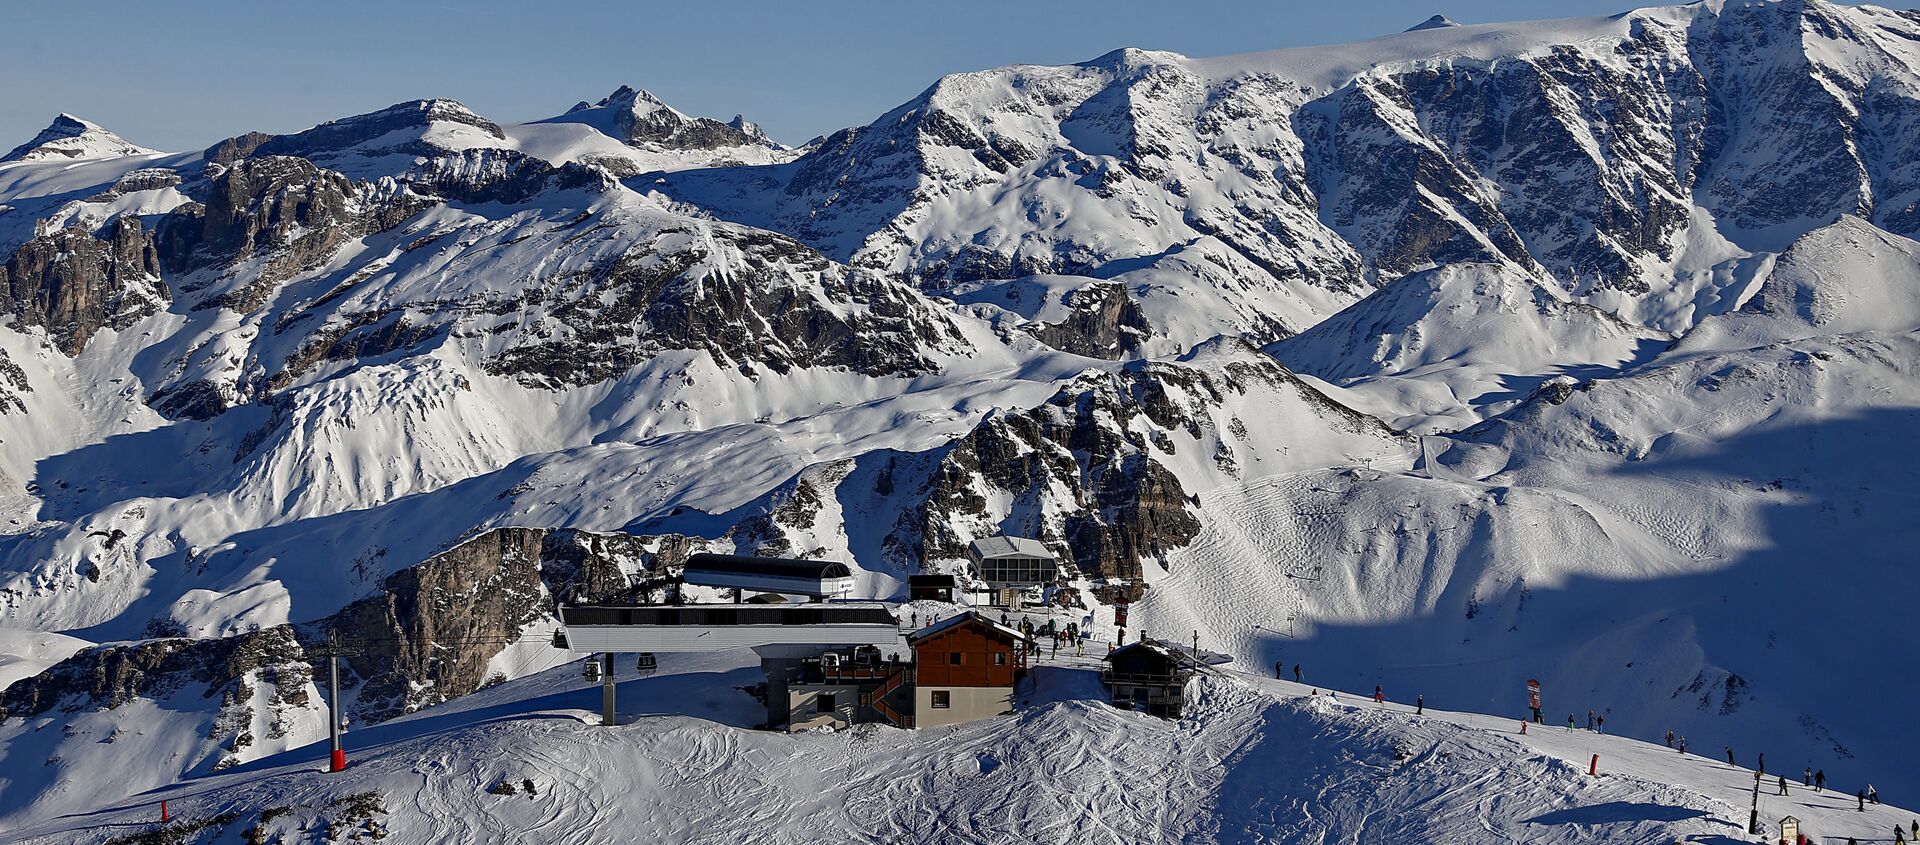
point(942, 699)
point(1000, 659)
point(954, 658)
point(823, 703)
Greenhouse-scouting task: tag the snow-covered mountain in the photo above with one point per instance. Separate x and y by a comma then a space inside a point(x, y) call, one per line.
point(71, 138)
point(1580, 350)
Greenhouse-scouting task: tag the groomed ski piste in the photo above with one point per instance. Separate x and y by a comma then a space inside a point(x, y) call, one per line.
point(1254, 760)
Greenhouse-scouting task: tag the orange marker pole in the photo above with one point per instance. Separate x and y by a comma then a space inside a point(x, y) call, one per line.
point(1593, 768)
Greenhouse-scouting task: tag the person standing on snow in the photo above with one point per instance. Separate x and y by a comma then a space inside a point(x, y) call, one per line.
point(1873, 795)
point(1783, 784)
point(1569, 723)
point(1419, 705)
point(1379, 697)
point(1278, 667)
point(1600, 723)
point(1861, 796)
point(1296, 673)
point(1806, 777)
point(1669, 739)
point(1730, 756)
point(1683, 744)
point(1820, 780)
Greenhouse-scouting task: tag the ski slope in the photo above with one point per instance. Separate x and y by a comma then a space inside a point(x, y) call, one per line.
point(1255, 761)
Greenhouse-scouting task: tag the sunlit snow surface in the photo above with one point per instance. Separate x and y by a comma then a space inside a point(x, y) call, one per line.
point(1253, 761)
point(1688, 508)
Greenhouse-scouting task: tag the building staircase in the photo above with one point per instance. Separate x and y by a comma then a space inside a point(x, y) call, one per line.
point(877, 698)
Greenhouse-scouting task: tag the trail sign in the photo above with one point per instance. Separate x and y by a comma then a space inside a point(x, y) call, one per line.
point(1533, 694)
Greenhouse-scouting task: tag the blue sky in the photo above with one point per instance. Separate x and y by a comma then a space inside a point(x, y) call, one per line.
point(183, 75)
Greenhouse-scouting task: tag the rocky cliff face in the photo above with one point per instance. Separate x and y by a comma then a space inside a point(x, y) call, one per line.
point(428, 635)
point(1108, 467)
point(73, 283)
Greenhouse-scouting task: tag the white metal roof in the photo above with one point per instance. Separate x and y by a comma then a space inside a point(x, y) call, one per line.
point(987, 548)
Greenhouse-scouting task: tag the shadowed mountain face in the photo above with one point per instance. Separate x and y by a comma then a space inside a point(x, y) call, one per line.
point(1563, 349)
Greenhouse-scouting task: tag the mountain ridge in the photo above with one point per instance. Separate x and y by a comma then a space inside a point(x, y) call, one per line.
point(1462, 360)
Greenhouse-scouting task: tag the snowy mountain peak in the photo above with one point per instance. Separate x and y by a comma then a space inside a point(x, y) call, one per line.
point(638, 118)
point(1435, 22)
point(73, 138)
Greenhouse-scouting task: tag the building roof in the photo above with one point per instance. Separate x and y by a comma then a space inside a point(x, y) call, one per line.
point(987, 548)
point(929, 580)
point(778, 567)
point(1177, 655)
point(716, 615)
point(958, 620)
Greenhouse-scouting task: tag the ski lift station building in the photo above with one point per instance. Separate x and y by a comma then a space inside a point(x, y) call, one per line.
point(1004, 562)
point(815, 579)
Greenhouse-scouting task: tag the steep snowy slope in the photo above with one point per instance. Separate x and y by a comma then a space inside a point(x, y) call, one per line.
point(1455, 344)
point(69, 138)
point(1702, 546)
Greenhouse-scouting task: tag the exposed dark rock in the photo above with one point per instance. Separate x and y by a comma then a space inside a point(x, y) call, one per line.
point(638, 117)
point(781, 306)
point(1105, 323)
point(75, 284)
point(338, 135)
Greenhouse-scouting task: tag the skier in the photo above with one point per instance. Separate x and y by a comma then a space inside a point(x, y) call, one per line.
point(1683, 744)
point(1600, 723)
point(1861, 796)
point(1730, 756)
point(1783, 784)
point(1589, 720)
point(1419, 705)
point(1806, 777)
point(1278, 667)
point(1569, 723)
point(1379, 697)
point(1669, 739)
point(1820, 780)
point(1899, 836)
point(1916, 829)
point(1873, 795)
point(1296, 673)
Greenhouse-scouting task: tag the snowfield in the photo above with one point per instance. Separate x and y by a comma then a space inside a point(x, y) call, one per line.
point(1254, 761)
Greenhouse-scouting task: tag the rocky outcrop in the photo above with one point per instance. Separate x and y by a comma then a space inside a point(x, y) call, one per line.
point(396, 127)
point(749, 298)
point(639, 118)
point(426, 637)
point(286, 211)
point(1104, 323)
point(73, 283)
